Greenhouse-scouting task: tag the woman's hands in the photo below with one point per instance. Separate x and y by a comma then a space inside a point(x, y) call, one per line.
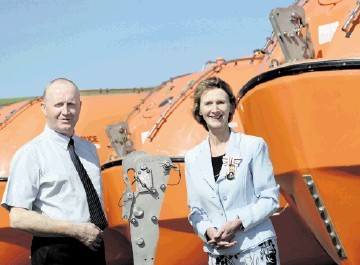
point(222, 238)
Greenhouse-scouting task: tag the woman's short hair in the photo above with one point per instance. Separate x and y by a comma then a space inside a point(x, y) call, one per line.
point(208, 84)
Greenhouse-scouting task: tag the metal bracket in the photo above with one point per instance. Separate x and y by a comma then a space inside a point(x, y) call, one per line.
point(142, 207)
point(288, 24)
point(120, 138)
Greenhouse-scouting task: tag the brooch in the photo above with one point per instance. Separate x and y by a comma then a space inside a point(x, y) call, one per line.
point(231, 163)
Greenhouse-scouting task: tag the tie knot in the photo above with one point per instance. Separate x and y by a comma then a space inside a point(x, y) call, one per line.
point(71, 142)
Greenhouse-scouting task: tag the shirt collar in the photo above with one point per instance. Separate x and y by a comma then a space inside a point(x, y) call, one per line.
point(59, 138)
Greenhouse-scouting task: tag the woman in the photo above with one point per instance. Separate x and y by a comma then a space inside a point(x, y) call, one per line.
point(230, 183)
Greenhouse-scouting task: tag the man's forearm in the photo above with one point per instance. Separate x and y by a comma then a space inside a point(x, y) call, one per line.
point(40, 225)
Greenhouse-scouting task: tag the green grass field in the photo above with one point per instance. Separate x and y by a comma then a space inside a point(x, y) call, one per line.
point(5, 101)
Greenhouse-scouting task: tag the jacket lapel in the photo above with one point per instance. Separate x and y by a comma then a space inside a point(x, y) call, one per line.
point(204, 164)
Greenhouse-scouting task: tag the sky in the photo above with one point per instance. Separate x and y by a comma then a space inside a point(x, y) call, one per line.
point(122, 43)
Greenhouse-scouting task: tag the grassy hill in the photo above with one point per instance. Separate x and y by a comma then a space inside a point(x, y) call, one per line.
point(5, 101)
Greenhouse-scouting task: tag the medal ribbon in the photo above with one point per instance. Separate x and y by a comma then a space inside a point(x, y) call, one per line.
point(231, 163)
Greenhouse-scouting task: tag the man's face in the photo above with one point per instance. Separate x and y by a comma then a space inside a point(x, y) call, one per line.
point(62, 107)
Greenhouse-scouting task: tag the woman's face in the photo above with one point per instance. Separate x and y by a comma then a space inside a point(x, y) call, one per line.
point(215, 108)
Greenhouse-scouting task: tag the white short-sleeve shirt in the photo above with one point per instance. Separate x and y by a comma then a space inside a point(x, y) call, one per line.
point(44, 179)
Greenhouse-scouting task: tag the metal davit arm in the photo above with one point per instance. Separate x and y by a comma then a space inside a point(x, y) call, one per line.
point(288, 24)
point(142, 207)
point(353, 15)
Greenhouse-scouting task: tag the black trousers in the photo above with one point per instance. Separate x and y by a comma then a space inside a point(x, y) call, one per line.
point(64, 251)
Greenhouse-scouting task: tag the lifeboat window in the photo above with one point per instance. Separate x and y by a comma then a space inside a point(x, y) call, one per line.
point(166, 101)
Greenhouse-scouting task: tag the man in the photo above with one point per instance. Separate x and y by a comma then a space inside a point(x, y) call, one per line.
point(46, 194)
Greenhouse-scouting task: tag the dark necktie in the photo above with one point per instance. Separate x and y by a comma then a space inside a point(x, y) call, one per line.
point(97, 215)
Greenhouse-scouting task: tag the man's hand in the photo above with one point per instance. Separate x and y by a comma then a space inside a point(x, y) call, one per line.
point(90, 235)
point(40, 225)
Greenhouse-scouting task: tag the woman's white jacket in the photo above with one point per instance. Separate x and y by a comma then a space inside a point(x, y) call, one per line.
point(253, 196)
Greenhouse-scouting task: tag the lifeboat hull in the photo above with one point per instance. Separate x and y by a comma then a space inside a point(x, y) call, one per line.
point(310, 121)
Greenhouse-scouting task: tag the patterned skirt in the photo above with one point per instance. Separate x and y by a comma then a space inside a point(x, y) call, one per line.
point(266, 253)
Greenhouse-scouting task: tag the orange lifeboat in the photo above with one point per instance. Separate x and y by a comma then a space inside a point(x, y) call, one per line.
point(304, 103)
